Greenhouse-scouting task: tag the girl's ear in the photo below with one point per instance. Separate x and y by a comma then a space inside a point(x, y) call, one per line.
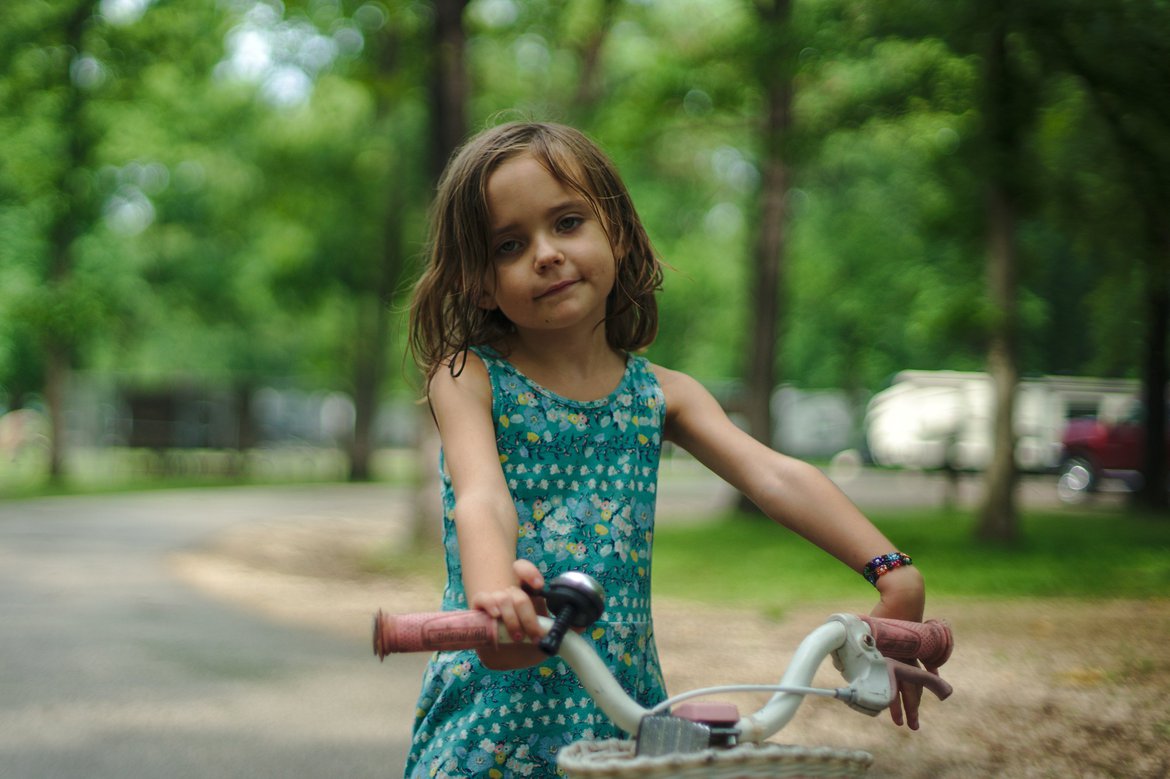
point(487, 301)
point(621, 248)
point(621, 255)
point(486, 295)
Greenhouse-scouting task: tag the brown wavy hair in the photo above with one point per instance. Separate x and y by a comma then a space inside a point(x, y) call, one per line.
point(445, 318)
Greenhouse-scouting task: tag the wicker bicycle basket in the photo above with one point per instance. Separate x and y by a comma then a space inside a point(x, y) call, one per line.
point(615, 759)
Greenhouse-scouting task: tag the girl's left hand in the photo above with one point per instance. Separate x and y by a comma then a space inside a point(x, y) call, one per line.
point(903, 596)
point(907, 698)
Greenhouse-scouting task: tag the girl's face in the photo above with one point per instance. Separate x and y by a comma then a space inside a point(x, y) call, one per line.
point(552, 263)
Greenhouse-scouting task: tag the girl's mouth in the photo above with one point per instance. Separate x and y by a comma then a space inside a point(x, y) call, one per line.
point(555, 288)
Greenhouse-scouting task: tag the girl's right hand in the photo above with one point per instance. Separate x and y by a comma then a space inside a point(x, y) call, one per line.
point(518, 612)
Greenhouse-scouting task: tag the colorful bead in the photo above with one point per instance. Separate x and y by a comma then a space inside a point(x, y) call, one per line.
point(883, 564)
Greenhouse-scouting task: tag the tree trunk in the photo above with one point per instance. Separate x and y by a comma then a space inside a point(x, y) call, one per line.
point(373, 339)
point(66, 225)
point(1153, 493)
point(589, 86)
point(245, 429)
point(767, 291)
point(57, 371)
point(767, 272)
point(449, 88)
point(373, 328)
point(449, 85)
point(998, 515)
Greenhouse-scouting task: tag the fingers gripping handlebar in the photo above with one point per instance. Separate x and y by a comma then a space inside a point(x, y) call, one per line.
point(574, 599)
point(876, 655)
point(900, 672)
point(928, 642)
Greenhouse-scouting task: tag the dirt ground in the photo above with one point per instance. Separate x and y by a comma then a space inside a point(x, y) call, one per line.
point(1051, 688)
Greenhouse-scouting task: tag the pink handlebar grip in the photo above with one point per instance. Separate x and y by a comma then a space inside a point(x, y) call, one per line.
point(433, 631)
point(930, 641)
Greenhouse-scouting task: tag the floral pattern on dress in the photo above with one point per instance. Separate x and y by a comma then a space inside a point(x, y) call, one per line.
point(583, 476)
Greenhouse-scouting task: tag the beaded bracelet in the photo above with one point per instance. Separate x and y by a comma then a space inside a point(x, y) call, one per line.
point(883, 564)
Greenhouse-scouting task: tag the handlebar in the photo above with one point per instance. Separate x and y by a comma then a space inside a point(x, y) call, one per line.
point(436, 631)
point(928, 642)
point(859, 647)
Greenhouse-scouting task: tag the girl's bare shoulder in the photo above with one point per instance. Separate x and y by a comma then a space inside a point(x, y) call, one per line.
point(460, 378)
point(681, 390)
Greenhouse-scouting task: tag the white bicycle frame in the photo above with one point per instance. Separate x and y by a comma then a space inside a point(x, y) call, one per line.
point(845, 637)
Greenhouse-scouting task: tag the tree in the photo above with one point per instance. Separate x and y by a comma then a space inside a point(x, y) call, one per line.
point(343, 179)
point(115, 237)
point(59, 308)
point(1084, 43)
point(772, 67)
point(994, 178)
point(449, 83)
point(447, 116)
point(255, 225)
point(1001, 108)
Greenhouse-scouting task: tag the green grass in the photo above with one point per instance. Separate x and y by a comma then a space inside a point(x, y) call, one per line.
point(753, 562)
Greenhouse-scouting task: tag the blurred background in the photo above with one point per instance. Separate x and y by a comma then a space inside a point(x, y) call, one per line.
point(924, 244)
point(929, 234)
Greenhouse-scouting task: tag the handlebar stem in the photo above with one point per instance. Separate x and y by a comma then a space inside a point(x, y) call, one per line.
point(599, 682)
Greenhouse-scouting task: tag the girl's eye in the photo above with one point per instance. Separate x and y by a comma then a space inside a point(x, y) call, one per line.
point(508, 247)
point(568, 223)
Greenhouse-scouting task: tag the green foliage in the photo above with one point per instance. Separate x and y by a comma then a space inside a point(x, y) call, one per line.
point(227, 228)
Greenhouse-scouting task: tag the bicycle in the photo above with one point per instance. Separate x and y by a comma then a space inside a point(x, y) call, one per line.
point(679, 738)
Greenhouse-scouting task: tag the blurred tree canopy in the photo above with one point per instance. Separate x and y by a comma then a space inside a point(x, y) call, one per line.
point(237, 189)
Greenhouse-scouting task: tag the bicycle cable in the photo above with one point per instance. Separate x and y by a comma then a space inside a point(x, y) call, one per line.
point(840, 692)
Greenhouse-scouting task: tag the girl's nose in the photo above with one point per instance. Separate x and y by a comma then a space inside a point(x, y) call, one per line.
point(546, 253)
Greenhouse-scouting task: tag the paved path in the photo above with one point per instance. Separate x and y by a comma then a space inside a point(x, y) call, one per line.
point(109, 667)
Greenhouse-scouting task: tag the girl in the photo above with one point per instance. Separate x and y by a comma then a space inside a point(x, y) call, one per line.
point(538, 291)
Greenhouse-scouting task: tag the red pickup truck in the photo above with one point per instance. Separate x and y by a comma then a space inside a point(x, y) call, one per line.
point(1096, 452)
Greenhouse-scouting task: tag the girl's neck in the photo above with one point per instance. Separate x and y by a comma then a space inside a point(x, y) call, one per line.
point(583, 368)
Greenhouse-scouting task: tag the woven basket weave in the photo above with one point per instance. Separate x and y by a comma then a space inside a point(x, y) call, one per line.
point(615, 759)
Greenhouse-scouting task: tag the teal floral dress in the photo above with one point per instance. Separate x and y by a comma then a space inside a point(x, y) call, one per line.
point(583, 476)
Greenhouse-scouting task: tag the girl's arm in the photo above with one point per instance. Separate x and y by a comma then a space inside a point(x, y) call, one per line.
point(794, 494)
point(485, 517)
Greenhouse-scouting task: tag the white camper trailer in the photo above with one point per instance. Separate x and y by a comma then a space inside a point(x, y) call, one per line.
point(941, 419)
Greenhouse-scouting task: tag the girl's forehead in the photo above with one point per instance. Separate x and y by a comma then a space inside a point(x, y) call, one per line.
point(521, 167)
point(525, 176)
